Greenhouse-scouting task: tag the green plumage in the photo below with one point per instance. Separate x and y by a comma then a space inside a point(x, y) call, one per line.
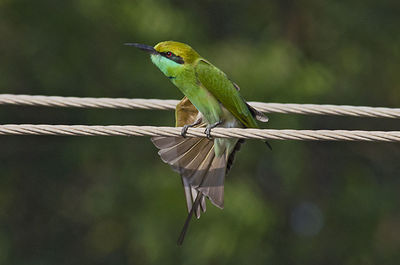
point(206, 86)
point(216, 81)
point(201, 162)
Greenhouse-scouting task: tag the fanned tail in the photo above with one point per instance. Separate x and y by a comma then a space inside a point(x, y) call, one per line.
point(201, 171)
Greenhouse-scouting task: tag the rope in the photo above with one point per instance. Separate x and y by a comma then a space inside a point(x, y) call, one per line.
point(263, 134)
point(124, 103)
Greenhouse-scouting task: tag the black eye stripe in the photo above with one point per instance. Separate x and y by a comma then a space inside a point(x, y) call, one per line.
point(173, 57)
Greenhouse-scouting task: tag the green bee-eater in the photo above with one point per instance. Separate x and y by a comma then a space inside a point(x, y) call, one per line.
point(211, 99)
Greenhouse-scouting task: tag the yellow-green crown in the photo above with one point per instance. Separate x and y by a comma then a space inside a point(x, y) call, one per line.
point(188, 54)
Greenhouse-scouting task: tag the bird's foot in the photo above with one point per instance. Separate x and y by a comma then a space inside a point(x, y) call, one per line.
point(184, 130)
point(209, 127)
point(187, 126)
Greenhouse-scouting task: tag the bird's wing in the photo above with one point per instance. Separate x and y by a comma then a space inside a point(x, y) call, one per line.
point(225, 91)
point(185, 113)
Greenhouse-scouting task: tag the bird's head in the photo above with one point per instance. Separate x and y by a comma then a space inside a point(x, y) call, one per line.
point(170, 57)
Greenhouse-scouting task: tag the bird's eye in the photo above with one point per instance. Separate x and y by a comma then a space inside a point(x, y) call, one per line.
point(169, 54)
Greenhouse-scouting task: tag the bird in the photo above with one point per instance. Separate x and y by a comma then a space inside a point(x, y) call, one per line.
point(210, 99)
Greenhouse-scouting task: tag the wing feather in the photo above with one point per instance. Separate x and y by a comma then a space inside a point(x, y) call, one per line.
point(226, 92)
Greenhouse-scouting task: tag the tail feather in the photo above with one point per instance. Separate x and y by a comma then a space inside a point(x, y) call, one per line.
point(201, 170)
point(166, 142)
point(196, 177)
point(191, 195)
point(203, 204)
point(194, 158)
point(186, 156)
point(213, 181)
point(188, 193)
point(172, 154)
point(188, 218)
point(195, 173)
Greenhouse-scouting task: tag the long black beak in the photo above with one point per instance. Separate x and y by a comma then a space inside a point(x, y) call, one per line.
point(143, 47)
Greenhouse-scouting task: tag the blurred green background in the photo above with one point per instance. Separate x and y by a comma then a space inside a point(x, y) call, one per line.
point(111, 200)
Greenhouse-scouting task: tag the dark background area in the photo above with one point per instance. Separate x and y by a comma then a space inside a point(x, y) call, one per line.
point(111, 200)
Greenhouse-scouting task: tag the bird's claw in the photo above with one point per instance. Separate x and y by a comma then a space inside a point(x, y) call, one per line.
point(209, 127)
point(187, 126)
point(208, 133)
point(184, 130)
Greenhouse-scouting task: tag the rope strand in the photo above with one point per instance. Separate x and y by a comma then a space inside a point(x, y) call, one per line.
point(124, 103)
point(262, 134)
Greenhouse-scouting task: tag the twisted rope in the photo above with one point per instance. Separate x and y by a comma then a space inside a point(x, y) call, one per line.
point(124, 103)
point(263, 134)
